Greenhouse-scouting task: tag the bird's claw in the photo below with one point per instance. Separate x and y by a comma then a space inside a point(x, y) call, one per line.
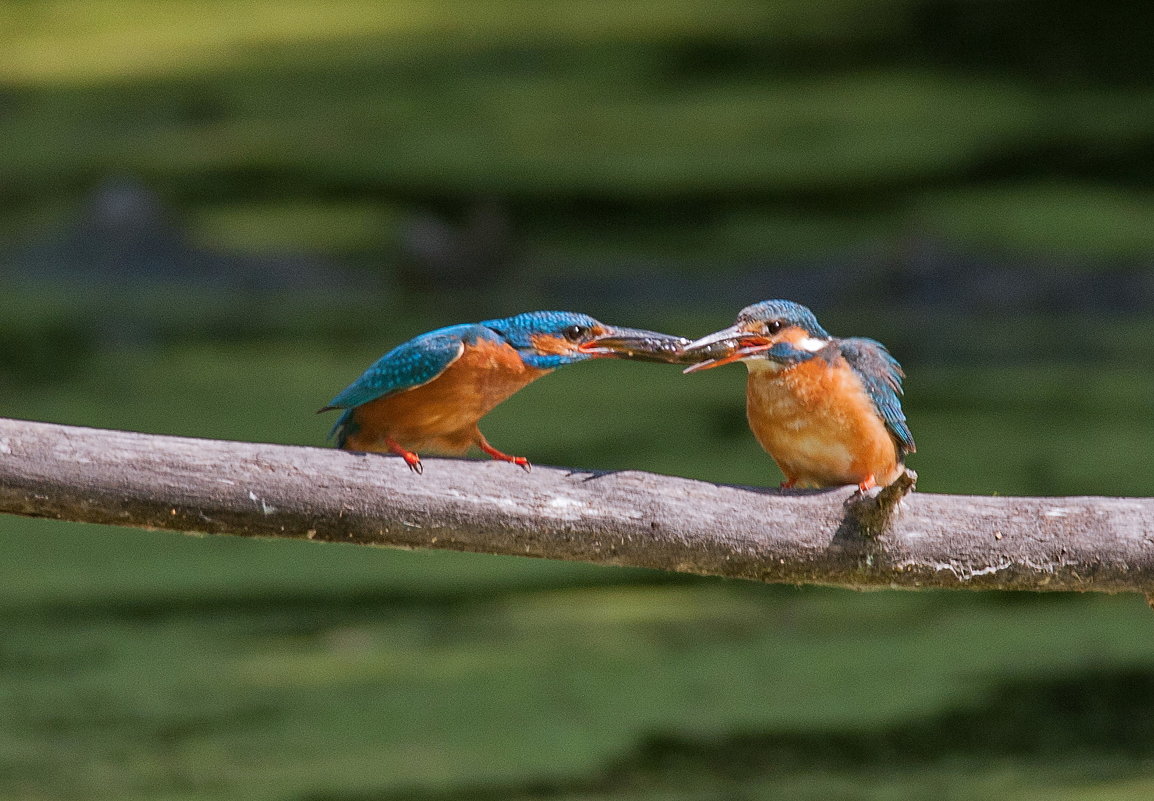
point(501, 456)
point(411, 459)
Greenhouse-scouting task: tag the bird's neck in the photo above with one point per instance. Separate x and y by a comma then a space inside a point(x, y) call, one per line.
point(787, 354)
point(761, 366)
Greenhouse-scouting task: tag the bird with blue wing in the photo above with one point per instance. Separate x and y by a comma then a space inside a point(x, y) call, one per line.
point(827, 410)
point(429, 393)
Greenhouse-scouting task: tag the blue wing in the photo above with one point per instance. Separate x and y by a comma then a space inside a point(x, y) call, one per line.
point(882, 376)
point(408, 365)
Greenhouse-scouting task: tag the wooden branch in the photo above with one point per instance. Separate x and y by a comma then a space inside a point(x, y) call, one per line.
point(617, 518)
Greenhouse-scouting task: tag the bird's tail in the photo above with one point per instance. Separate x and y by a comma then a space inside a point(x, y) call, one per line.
point(343, 428)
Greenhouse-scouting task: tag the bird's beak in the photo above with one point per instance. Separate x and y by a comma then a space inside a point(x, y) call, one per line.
point(722, 347)
point(638, 345)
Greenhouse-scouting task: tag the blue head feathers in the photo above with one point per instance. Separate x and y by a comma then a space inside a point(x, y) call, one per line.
point(787, 312)
point(546, 339)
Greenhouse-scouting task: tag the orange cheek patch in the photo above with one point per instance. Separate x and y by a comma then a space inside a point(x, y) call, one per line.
point(553, 345)
point(794, 335)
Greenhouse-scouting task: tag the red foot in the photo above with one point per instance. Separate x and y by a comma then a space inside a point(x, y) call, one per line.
point(520, 461)
point(411, 459)
point(789, 483)
point(867, 483)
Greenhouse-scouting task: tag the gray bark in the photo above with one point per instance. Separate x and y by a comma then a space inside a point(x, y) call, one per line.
point(628, 517)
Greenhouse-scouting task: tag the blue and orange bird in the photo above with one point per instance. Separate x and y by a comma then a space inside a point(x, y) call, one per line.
point(428, 394)
point(827, 410)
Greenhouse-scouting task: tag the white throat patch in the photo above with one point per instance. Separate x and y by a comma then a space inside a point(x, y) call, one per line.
point(757, 363)
point(760, 364)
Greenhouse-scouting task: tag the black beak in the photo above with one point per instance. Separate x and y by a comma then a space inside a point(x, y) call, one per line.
point(638, 345)
point(722, 347)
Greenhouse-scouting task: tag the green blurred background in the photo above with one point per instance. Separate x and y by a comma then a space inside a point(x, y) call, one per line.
point(214, 215)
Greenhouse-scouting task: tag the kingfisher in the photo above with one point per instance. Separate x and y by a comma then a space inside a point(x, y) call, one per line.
point(827, 410)
point(428, 394)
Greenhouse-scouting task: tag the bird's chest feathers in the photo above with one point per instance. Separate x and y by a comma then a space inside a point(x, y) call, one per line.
point(485, 374)
point(814, 417)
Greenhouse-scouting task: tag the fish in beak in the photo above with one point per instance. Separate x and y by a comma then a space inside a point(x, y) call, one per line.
point(722, 347)
point(638, 345)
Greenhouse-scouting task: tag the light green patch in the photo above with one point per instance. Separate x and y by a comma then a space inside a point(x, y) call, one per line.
point(1060, 220)
point(302, 226)
point(1119, 789)
point(79, 40)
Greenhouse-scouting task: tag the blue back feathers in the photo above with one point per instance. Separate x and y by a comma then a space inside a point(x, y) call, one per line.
point(408, 365)
point(882, 376)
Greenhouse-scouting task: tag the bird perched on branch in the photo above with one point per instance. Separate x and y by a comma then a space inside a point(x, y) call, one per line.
point(428, 394)
point(827, 410)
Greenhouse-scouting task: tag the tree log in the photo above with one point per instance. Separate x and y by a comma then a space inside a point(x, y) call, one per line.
point(631, 518)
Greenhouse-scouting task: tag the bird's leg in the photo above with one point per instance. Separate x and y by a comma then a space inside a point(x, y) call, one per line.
point(789, 483)
point(521, 461)
point(867, 483)
point(411, 459)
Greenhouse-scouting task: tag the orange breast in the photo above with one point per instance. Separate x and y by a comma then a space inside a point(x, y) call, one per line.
point(441, 416)
point(818, 423)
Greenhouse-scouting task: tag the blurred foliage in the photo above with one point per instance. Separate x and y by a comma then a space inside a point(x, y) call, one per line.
point(830, 123)
point(1052, 219)
point(333, 227)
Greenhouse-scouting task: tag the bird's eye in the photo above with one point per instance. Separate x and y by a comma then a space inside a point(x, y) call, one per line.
point(575, 332)
point(773, 326)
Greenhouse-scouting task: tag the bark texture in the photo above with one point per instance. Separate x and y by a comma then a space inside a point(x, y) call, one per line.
point(618, 518)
